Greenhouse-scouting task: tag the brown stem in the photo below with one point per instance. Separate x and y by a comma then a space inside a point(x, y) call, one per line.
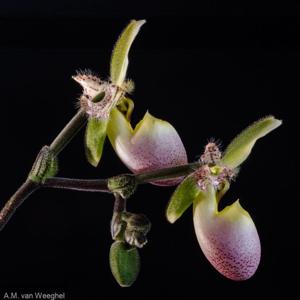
point(68, 132)
point(167, 173)
point(90, 185)
point(85, 185)
point(26, 189)
point(116, 224)
point(120, 203)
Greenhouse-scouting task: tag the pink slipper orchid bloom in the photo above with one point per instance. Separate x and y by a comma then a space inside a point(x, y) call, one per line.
point(152, 144)
point(228, 238)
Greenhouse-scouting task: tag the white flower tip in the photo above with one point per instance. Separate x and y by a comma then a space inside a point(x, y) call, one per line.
point(140, 22)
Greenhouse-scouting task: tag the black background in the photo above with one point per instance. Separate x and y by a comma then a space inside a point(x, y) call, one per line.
point(210, 70)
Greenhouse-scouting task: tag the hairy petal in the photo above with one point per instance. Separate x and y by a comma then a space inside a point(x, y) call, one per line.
point(228, 238)
point(119, 59)
point(153, 144)
point(240, 148)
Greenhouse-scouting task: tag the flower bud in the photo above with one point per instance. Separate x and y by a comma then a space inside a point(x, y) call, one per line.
point(137, 227)
point(124, 263)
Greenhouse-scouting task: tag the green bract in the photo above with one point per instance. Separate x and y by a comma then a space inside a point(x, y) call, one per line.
point(44, 167)
point(119, 59)
point(124, 263)
point(124, 185)
point(240, 148)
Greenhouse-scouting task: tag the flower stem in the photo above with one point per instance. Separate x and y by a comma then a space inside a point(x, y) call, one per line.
point(88, 185)
point(25, 190)
point(116, 224)
point(68, 132)
point(85, 185)
point(59, 143)
point(120, 204)
point(167, 173)
point(100, 185)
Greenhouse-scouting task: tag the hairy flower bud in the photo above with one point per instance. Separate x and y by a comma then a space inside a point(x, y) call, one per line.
point(137, 227)
point(124, 263)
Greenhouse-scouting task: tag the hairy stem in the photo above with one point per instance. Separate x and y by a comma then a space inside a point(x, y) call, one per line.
point(100, 185)
point(25, 190)
point(116, 224)
point(68, 132)
point(59, 143)
point(85, 185)
point(120, 204)
point(167, 173)
point(90, 185)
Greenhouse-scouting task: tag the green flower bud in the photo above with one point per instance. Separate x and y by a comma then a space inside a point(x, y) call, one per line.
point(124, 263)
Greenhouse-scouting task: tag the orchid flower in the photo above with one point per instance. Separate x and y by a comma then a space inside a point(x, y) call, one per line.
point(154, 152)
point(228, 238)
point(153, 144)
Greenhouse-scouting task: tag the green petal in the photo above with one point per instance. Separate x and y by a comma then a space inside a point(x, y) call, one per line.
point(94, 140)
point(119, 59)
point(182, 198)
point(240, 148)
point(124, 263)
